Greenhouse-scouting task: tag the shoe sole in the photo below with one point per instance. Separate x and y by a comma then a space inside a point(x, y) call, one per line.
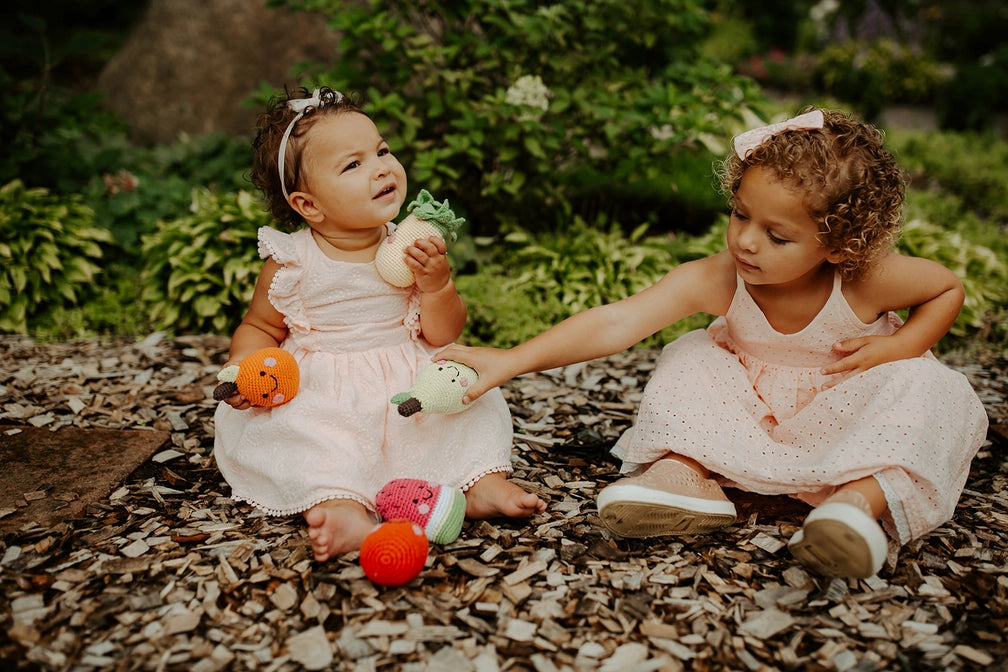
point(637, 512)
point(831, 546)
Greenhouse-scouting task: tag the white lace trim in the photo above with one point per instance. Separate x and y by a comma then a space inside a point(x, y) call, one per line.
point(486, 472)
point(292, 511)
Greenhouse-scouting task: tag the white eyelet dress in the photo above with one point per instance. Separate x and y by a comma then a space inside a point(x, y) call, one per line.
point(356, 339)
point(747, 403)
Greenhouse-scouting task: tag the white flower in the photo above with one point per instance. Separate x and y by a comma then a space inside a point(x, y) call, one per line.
point(529, 91)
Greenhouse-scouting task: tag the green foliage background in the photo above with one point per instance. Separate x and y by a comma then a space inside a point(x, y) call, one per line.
point(576, 138)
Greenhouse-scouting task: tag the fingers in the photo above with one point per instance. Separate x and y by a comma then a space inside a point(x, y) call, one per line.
point(464, 354)
point(425, 249)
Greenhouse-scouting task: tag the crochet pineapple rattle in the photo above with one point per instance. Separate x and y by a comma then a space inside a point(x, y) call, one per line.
point(426, 218)
point(439, 388)
point(267, 377)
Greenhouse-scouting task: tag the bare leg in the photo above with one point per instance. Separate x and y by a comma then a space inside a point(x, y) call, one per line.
point(337, 526)
point(867, 488)
point(494, 495)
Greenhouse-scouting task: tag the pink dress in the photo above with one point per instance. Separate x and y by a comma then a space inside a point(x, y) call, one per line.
point(356, 339)
point(747, 403)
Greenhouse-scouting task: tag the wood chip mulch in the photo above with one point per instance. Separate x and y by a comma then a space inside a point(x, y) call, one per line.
point(167, 573)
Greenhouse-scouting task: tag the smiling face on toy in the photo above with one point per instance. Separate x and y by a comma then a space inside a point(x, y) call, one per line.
point(268, 377)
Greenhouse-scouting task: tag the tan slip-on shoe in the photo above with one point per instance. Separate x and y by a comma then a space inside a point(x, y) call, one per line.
point(669, 498)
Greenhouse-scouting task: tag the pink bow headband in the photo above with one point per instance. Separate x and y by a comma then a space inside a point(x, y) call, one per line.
point(750, 140)
point(299, 105)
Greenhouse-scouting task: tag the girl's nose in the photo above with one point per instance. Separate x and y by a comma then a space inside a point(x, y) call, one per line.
point(747, 238)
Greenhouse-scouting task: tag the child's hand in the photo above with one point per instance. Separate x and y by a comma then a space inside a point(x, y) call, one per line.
point(428, 259)
point(238, 402)
point(489, 363)
point(862, 354)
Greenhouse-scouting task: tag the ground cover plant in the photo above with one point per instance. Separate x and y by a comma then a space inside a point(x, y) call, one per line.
point(581, 161)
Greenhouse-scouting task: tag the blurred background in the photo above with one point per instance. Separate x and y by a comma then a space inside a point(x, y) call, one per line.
point(578, 139)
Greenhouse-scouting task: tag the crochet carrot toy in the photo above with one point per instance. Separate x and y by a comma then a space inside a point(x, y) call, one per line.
point(426, 218)
point(437, 389)
point(267, 377)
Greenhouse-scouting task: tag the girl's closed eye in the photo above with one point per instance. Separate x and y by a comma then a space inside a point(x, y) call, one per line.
point(776, 240)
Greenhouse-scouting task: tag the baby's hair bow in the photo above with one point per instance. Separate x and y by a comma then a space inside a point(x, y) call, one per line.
point(750, 140)
point(301, 105)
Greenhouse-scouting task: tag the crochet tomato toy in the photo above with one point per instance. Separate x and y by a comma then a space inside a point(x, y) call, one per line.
point(394, 553)
point(267, 377)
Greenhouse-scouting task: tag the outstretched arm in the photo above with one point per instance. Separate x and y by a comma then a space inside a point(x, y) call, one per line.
point(934, 296)
point(705, 285)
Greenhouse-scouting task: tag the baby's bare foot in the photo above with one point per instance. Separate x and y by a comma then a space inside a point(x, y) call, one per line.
point(337, 526)
point(494, 495)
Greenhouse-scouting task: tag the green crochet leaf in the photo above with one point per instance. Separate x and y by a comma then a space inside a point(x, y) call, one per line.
point(400, 398)
point(438, 215)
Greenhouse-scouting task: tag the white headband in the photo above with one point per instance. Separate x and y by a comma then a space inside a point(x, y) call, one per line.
point(299, 105)
point(750, 140)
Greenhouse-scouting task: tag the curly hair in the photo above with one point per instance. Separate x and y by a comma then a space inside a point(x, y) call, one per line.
point(266, 147)
point(852, 186)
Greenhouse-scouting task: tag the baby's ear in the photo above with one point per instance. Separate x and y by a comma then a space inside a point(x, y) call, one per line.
point(304, 205)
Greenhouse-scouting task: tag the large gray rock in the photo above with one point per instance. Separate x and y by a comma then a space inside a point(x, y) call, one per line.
point(189, 65)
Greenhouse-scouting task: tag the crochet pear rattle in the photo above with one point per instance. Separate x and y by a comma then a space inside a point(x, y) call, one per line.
point(267, 377)
point(439, 388)
point(426, 218)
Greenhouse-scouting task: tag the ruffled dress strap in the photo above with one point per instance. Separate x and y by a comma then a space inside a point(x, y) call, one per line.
point(286, 250)
point(412, 319)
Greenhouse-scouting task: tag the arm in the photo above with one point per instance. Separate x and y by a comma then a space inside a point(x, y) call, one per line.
point(706, 285)
point(262, 327)
point(442, 310)
point(933, 294)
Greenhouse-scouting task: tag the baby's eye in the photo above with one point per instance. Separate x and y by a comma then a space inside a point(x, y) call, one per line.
point(776, 240)
point(351, 166)
point(384, 151)
point(737, 215)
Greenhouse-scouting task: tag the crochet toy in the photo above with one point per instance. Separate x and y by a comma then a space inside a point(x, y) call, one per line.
point(426, 218)
point(439, 388)
point(438, 509)
point(267, 377)
point(394, 553)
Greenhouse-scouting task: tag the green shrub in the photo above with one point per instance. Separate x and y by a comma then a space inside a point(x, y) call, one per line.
point(200, 270)
point(55, 138)
point(153, 184)
point(50, 249)
point(872, 75)
point(529, 282)
point(984, 274)
point(971, 166)
point(114, 308)
point(524, 114)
